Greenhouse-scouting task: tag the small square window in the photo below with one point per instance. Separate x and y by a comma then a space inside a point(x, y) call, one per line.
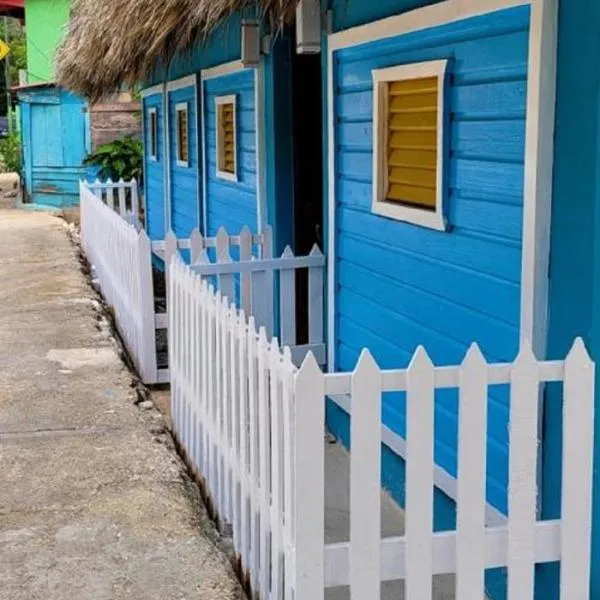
point(409, 129)
point(183, 142)
point(153, 133)
point(226, 138)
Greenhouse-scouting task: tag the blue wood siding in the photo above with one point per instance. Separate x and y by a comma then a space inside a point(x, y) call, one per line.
point(232, 204)
point(54, 130)
point(185, 197)
point(399, 285)
point(154, 170)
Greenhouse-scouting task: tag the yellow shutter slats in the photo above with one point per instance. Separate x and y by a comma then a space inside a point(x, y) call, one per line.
point(412, 137)
point(183, 149)
point(226, 137)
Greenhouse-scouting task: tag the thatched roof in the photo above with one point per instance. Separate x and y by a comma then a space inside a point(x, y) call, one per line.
point(113, 42)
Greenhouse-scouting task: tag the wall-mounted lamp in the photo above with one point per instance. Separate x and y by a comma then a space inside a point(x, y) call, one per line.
point(308, 27)
point(250, 43)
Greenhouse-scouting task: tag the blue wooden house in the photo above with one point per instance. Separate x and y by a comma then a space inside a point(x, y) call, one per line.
point(55, 131)
point(444, 153)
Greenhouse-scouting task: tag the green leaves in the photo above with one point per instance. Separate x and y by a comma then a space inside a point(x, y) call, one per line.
point(121, 159)
point(10, 153)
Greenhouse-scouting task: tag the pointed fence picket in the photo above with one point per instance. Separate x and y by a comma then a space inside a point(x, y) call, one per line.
point(259, 446)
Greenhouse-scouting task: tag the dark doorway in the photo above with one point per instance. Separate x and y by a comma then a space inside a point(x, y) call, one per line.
point(307, 151)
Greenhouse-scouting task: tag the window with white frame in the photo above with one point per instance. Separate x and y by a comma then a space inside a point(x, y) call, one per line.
point(153, 134)
point(409, 129)
point(183, 142)
point(226, 137)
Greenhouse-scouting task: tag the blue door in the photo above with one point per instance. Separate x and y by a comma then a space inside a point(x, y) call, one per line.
point(55, 129)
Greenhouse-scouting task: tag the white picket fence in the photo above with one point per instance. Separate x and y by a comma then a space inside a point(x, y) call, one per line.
point(260, 280)
point(121, 196)
point(252, 425)
point(121, 260)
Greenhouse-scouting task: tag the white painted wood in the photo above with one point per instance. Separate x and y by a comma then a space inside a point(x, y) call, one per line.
point(244, 458)
point(204, 158)
point(222, 69)
point(414, 20)
point(110, 194)
point(254, 456)
point(522, 487)
point(171, 250)
point(419, 477)
point(153, 90)
point(539, 162)
point(261, 163)
point(309, 470)
point(182, 83)
point(121, 259)
point(276, 428)
point(226, 280)
point(264, 461)
point(471, 500)
point(122, 205)
point(393, 553)
point(196, 245)
point(577, 473)
point(287, 302)
point(135, 201)
point(365, 480)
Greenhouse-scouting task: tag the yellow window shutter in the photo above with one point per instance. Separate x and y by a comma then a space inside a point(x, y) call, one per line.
point(182, 135)
point(226, 132)
point(411, 148)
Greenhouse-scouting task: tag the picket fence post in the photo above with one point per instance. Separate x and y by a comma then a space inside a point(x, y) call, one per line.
point(309, 467)
point(471, 499)
point(148, 364)
point(365, 480)
point(419, 476)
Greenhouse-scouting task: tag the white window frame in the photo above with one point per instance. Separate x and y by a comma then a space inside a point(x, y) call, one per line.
point(401, 212)
point(153, 134)
point(231, 99)
point(181, 107)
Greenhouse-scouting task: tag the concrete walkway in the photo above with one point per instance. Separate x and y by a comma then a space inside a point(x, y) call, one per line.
point(94, 504)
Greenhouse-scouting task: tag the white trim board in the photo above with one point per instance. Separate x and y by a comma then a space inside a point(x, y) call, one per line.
point(442, 480)
point(204, 160)
point(261, 163)
point(222, 70)
point(182, 83)
point(151, 91)
point(539, 143)
point(152, 156)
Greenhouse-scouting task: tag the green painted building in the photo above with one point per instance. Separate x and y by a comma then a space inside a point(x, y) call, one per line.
point(45, 21)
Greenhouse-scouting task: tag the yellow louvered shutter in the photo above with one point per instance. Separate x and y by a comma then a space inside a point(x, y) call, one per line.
point(412, 123)
point(183, 151)
point(226, 134)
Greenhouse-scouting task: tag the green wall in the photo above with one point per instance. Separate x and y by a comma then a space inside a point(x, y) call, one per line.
point(44, 23)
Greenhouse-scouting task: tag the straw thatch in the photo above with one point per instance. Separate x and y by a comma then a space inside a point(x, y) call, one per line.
point(109, 43)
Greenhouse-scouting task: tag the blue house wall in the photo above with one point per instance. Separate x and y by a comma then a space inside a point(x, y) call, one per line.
point(154, 169)
point(232, 204)
point(184, 179)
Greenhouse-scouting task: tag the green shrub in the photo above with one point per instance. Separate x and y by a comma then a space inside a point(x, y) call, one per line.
point(10, 153)
point(121, 159)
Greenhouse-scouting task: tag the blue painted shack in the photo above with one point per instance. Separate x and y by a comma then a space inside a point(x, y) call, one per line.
point(445, 154)
point(55, 131)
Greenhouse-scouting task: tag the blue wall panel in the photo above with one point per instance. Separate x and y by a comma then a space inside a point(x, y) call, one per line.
point(185, 195)
point(154, 171)
point(399, 285)
point(232, 204)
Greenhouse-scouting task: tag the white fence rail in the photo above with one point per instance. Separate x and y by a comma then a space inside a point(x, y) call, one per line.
point(253, 427)
point(121, 196)
point(120, 256)
point(259, 280)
